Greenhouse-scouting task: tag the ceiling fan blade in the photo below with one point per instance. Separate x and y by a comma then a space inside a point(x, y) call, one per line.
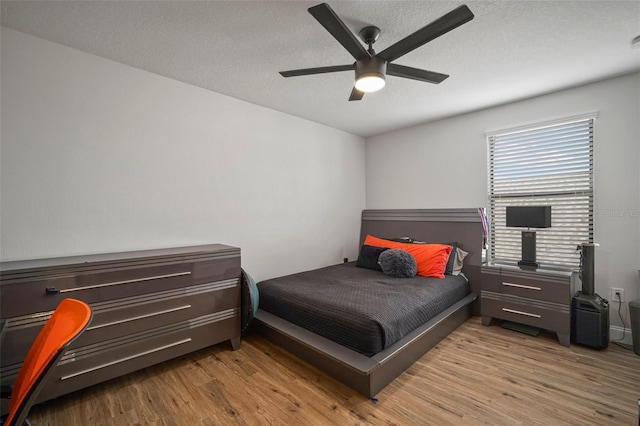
point(332, 23)
point(415, 74)
point(356, 95)
point(435, 29)
point(319, 70)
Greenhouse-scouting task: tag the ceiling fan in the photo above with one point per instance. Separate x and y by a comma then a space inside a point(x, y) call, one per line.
point(370, 67)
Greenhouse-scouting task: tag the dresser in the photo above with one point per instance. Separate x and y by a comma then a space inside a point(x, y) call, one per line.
point(540, 298)
point(148, 307)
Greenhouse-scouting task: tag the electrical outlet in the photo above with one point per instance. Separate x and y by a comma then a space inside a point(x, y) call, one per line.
point(615, 292)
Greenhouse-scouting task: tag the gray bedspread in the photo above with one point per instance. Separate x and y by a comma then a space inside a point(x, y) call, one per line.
point(359, 308)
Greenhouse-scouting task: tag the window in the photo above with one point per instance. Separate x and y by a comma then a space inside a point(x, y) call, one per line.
point(547, 164)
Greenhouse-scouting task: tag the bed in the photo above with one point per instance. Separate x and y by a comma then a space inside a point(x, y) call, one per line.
point(367, 356)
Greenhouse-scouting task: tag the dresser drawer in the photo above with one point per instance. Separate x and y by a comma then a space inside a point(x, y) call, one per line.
point(88, 365)
point(120, 317)
point(32, 295)
point(132, 315)
point(221, 268)
point(541, 314)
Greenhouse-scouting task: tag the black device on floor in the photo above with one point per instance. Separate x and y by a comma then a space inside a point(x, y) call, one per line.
point(589, 311)
point(590, 320)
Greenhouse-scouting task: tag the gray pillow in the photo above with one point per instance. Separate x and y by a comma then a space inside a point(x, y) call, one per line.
point(398, 263)
point(459, 261)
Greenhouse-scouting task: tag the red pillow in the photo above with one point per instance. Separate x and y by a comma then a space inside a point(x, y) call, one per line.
point(431, 258)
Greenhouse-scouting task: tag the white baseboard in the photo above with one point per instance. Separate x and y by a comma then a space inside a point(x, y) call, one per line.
point(620, 335)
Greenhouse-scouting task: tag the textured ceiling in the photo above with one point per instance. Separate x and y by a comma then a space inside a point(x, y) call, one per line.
point(510, 51)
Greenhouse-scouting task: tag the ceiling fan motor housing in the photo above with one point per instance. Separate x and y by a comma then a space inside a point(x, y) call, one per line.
point(371, 67)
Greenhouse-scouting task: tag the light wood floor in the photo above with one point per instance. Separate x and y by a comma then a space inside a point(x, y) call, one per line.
point(477, 375)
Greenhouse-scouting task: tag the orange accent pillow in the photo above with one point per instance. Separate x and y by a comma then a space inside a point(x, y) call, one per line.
point(431, 258)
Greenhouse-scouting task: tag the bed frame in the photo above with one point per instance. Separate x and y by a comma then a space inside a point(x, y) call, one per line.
point(369, 375)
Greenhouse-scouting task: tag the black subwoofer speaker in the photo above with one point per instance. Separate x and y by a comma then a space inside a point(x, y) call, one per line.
point(590, 321)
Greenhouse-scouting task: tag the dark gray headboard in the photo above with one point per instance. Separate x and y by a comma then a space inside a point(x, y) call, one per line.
point(433, 225)
point(463, 226)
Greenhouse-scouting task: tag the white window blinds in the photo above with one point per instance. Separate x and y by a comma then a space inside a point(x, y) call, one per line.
point(551, 165)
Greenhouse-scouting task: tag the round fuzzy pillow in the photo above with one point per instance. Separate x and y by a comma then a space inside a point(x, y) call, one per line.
point(398, 263)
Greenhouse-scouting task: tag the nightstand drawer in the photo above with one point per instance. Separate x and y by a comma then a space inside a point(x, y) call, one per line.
point(552, 291)
point(541, 286)
point(491, 279)
point(546, 315)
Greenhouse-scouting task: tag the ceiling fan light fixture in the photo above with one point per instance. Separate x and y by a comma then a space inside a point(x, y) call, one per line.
point(370, 83)
point(370, 74)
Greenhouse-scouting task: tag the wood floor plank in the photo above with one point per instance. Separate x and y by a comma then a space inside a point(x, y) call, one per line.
point(476, 375)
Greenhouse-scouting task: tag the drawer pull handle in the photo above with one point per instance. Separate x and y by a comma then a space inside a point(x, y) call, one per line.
point(513, 311)
point(528, 287)
point(52, 290)
point(118, 361)
point(157, 277)
point(152, 314)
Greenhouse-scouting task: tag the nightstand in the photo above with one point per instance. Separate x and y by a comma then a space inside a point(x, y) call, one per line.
point(540, 298)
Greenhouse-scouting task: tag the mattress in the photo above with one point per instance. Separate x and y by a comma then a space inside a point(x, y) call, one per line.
point(359, 308)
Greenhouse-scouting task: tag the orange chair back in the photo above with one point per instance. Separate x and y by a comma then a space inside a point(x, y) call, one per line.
point(68, 321)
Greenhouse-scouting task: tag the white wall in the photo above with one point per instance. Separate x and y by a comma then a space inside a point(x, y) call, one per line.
point(444, 164)
point(98, 157)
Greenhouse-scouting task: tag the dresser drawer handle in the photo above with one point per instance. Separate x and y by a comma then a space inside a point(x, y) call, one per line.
point(157, 277)
point(152, 314)
point(118, 361)
point(513, 311)
point(528, 287)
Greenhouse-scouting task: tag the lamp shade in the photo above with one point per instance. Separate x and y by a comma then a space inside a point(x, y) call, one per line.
point(370, 74)
point(529, 216)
